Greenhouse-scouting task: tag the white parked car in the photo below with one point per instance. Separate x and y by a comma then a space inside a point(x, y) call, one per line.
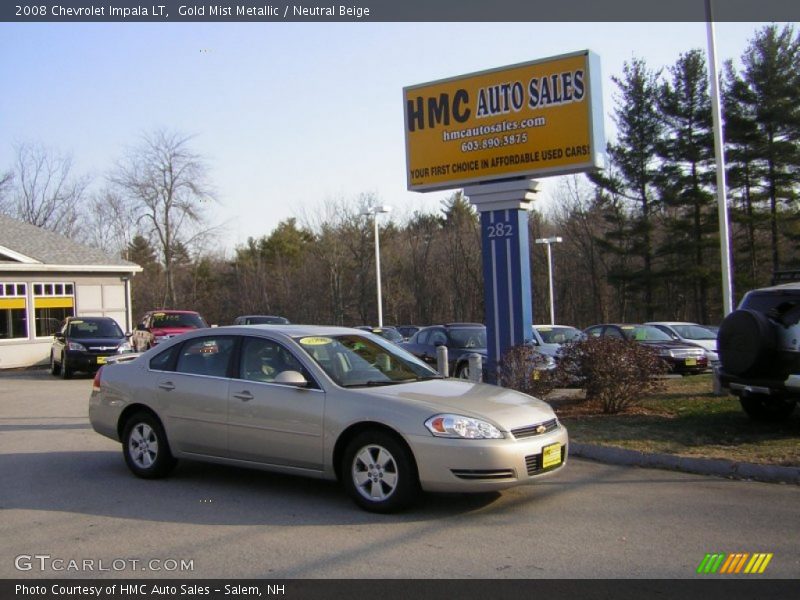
point(327, 402)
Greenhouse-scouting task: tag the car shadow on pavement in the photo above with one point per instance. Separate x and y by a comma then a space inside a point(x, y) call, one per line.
point(98, 483)
point(38, 373)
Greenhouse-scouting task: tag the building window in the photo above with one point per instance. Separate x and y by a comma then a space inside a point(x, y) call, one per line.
point(52, 303)
point(13, 311)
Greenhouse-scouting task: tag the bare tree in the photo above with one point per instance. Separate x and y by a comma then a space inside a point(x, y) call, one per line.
point(167, 185)
point(5, 185)
point(113, 222)
point(43, 190)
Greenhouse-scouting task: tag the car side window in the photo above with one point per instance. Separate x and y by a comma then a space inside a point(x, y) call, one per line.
point(263, 360)
point(594, 331)
point(164, 361)
point(613, 332)
point(437, 337)
point(206, 356)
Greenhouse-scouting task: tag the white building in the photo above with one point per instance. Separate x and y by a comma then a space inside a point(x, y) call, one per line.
point(45, 277)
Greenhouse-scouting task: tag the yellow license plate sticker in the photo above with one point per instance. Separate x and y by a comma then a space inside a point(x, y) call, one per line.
point(691, 362)
point(551, 455)
point(101, 360)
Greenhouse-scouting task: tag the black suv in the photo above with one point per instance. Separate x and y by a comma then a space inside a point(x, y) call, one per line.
point(759, 350)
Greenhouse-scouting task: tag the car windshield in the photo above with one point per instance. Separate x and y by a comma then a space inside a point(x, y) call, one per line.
point(694, 332)
point(94, 329)
point(190, 320)
point(390, 334)
point(353, 360)
point(645, 333)
point(467, 337)
point(558, 335)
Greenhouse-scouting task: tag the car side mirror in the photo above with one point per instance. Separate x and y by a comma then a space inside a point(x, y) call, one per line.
point(293, 378)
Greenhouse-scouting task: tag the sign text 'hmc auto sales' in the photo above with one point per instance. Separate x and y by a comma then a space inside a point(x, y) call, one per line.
point(533, 119)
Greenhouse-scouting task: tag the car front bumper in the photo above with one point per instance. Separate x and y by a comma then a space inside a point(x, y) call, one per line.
point(459, 465)
point(85, 361)
point(686, 365)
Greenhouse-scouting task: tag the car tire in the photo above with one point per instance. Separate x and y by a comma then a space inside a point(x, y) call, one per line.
point(761, 407)
point(66, 371)
point(747, 341)
point(55, 368)
point(145, 447)
point(379, 472)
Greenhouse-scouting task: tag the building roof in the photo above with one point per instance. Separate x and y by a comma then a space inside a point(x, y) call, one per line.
point(25, 247)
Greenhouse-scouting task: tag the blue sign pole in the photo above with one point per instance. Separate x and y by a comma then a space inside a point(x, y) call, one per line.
point(506, 264)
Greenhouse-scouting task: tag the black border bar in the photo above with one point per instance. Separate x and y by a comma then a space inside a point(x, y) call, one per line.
point(706, 588)
point(276, 11)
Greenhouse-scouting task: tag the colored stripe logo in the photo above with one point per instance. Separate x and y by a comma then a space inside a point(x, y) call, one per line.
point(735, 563)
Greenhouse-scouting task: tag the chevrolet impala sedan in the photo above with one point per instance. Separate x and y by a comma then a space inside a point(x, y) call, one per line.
point(324, 402)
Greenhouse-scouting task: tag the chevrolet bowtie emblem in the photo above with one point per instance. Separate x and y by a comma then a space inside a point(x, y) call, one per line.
point(541, 429)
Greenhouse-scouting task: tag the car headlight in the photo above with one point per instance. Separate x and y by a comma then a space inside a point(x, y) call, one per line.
point(667, 354)
point(458, 426)
point(76, 346)
point(123, 347)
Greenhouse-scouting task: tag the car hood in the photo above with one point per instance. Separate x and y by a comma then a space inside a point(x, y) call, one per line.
point(706, 344)
point(549, 349)
point(97, 343)
point(507, 408)
point(171, 330)
point(670, 345)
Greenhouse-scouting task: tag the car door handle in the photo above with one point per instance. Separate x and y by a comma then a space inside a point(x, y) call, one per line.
point(167, 385)
point(244, 396)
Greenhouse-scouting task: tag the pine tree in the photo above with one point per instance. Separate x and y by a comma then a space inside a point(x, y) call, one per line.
point(772, 73)
point(686, 179)
point(635, 169)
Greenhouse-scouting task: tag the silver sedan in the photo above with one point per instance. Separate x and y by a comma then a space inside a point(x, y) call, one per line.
point(324, 402)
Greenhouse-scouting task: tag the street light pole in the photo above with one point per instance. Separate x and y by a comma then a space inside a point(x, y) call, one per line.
point(374, 211)
point(548, 242)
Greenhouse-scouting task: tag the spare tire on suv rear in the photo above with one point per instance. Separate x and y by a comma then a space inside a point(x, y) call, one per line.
point(747, 341)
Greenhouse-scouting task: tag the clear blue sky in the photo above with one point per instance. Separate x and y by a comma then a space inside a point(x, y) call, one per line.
point(288, 115)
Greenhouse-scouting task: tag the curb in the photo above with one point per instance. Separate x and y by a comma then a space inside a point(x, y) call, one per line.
point(701, 466)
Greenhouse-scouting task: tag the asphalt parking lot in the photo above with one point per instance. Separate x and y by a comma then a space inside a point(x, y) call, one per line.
point(66, 494)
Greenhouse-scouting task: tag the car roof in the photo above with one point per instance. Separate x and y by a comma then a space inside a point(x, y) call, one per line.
point(290, 330)
point(173, 310)
point(618, 325)
point(78, 318)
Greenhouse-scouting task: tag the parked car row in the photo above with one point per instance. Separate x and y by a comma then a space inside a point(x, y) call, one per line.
point(681, 357)
point(87, 343)
point(686, 347)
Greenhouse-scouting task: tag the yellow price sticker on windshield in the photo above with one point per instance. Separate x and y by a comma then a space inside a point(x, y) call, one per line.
point(316, 341)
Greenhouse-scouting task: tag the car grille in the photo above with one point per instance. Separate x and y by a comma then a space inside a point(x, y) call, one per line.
point(483, 473)
point(533, 430)
point(101, 349)
point(534, 462)
point(688, 353)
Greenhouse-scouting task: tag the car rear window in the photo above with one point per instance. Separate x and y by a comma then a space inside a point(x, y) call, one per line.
point(768, 301)
point(190, 320)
